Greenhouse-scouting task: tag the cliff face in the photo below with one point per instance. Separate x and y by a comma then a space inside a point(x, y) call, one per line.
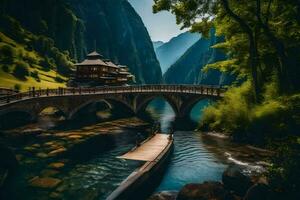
point(76, 26)
point(188, 69)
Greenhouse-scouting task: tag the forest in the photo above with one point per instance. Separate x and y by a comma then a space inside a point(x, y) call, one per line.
point(262, 106)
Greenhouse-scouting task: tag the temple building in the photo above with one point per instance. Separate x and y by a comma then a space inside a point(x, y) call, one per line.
point(99, 71)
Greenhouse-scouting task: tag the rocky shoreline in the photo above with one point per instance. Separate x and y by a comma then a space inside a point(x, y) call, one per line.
point(234, 186)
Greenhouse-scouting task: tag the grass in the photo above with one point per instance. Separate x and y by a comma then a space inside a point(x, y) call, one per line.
point(9, 81)
point(47, 79)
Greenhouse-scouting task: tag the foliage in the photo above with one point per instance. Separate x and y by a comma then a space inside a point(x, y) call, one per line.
point(284, 174)
point(7, 54)
point(59, 79)
point(5, 68)
point(275, 117)
point(17, 87)
point(261, 37)
point(21, 70)
point(232, 114)
point(35, 75)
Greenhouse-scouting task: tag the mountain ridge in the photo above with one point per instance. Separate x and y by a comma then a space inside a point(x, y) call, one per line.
point(171, 51)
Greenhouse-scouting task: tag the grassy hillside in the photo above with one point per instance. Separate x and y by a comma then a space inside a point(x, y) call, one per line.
point(22, 63)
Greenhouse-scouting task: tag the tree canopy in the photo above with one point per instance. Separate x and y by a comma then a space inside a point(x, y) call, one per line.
point(261, 36)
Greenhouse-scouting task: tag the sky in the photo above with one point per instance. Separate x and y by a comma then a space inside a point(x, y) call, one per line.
point(161, 26)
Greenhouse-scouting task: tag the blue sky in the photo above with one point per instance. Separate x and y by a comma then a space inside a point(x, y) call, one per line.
point(161, 26)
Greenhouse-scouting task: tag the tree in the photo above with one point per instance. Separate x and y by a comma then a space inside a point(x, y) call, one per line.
point(7, 54)
point(269, 26)
point(21, 70)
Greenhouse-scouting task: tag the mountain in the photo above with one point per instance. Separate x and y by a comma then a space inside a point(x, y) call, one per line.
point(188, 69)
point(71, 28)
point(171, 51)
point(157, 44)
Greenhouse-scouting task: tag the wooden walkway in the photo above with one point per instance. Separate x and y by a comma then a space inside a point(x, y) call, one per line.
point(150, 150)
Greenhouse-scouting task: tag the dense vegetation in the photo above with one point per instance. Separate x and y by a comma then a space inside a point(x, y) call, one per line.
point(29, 60)
point(262, 41)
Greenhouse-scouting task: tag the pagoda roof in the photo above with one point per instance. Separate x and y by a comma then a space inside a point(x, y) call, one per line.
point(93, 59)
point(94, 54)
point(123, 66)
point(92, 62)
point(111, 64)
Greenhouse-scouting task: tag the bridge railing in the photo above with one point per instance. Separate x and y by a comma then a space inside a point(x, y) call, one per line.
point(33, 93)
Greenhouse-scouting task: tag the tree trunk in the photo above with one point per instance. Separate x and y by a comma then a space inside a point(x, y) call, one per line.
point(282, 68)
point(253, 56)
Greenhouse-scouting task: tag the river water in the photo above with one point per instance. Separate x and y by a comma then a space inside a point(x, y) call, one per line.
point(197, 157)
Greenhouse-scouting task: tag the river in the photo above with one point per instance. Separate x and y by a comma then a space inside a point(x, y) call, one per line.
point(197, 157)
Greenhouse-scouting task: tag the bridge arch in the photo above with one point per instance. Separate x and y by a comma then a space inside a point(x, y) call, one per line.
point(41, 109)
point(109, 101)
point(143, 101)
point(188, 105)
point(15, 117)
point(78, 108)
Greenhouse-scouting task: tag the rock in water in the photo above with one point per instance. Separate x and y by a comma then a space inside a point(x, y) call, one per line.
point(46, 183)
point(205, 191)
point(164, 195)
point(258, 191)
point(234, 180)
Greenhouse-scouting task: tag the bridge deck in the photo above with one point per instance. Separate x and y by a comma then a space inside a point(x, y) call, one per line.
point(149, 150)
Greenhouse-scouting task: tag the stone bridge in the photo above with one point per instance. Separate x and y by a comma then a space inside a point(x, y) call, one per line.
point(182, 98)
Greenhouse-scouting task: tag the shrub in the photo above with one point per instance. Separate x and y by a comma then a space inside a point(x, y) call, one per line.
point(47, 63)
point(59, 79)
point(35, 75)
point(21, 70)
point(17, 87)
point(284, 173)
point(7, 54)
point(274, 117)
point(231, 115)
point(30, 59)
point(5, 68)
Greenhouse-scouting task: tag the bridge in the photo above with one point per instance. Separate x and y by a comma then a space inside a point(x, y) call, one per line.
point(70, 101)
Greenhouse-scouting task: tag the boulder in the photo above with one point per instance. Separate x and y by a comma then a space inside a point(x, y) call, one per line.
point(164, 195)
point(57, 151)
point(258, 191)
point(205, 191)
point(56, 165)
point(234, 180)
point(44, 182)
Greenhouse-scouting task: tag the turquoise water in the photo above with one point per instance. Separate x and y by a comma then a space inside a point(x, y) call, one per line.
point(191, 162)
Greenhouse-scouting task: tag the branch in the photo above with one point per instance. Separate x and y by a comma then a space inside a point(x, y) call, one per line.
point(238, 19)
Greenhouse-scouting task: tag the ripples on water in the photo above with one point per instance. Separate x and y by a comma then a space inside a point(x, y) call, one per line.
point(190, 163)
point(100, 176)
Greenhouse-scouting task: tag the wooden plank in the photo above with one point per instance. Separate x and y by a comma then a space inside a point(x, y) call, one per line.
point(149, 150)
